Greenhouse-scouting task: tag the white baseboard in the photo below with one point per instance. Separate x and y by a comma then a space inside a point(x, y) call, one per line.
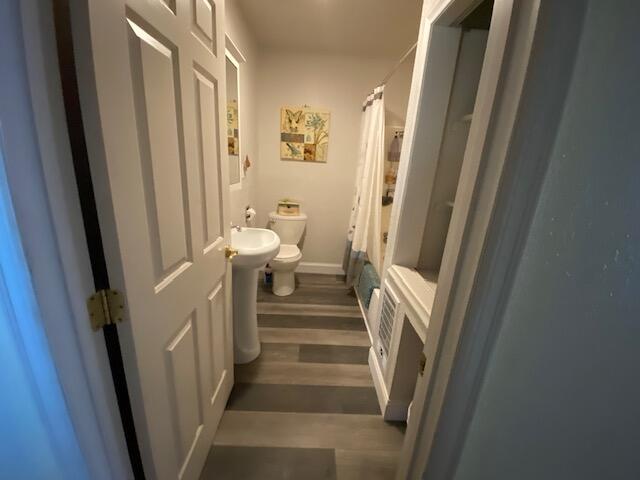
point(322, 268)
point(378, 380)
point(365, 316)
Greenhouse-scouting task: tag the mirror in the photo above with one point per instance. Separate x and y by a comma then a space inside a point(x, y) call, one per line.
point(233, 118)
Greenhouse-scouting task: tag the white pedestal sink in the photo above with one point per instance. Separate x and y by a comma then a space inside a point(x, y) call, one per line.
point(256, 247)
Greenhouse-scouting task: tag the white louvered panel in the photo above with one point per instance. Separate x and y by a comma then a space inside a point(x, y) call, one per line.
point(387, 316)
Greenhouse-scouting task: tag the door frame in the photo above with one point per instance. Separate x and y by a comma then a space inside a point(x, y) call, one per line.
point(526, 72)
point(54, 241)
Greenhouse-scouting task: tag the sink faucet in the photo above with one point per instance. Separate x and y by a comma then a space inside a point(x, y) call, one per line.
point(236, 227)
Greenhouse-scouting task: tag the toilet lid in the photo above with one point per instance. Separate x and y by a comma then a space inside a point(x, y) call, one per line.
point(287, 251)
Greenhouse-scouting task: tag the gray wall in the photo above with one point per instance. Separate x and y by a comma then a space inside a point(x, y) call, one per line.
point(561, 396)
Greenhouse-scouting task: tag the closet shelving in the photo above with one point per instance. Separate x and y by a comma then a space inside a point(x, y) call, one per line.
point(422, 214)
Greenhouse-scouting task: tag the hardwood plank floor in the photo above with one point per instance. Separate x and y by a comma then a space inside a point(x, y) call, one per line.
point(306, 408)
point(304, 373)
point(311, 291)
point(308, 430)
point(369, 465)
point(270, 463)
point(257, 397)
point(314, 336)
point(278, 352)
point(311, 321)
point(309, 309)
point(334, 354)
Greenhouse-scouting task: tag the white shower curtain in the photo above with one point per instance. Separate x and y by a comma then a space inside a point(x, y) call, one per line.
point(363, 238)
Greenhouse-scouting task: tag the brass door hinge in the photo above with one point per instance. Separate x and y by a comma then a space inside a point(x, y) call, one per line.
point(105, 307)
point(423, 363)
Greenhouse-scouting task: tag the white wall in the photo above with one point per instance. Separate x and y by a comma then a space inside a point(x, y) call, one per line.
point(397, 90)
point(561, 397)
point(242, 37)
point(396, 99)
point(337, 83)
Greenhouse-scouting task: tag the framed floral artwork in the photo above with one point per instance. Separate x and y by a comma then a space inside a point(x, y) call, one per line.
point(304, 134)
point(233, 140)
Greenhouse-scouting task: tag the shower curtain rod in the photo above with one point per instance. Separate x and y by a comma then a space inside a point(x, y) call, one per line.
point(397, 65)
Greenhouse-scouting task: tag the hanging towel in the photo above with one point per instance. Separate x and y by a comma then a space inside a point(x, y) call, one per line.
point(367, 282)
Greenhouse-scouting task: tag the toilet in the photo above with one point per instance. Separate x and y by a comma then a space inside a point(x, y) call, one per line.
point(290, 229)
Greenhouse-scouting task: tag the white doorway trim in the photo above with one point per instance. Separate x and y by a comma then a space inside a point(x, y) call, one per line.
point(527, 67)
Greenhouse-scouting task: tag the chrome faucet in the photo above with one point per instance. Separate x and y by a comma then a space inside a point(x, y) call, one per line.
point(238, 228)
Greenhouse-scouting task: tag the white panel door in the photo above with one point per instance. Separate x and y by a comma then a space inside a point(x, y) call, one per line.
point(151, 76)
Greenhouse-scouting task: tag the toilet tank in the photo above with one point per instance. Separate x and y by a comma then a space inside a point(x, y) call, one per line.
point(288, 227)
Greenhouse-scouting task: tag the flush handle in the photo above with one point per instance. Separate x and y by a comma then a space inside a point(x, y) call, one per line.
point(230, 252)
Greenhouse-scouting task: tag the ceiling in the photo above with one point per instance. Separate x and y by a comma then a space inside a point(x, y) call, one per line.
point(372, 28)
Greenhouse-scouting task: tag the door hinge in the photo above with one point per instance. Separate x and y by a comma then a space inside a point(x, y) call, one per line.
point(106, 307)
point(423, 363)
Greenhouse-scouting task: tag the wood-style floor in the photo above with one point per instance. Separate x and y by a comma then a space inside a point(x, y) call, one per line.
point(306, 408)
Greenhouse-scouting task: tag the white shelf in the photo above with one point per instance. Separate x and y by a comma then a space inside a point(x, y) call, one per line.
point(429, 276)
point(418, 290)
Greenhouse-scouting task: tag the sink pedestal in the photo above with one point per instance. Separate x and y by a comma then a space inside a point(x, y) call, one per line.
point(255, 247)
point(246, 344)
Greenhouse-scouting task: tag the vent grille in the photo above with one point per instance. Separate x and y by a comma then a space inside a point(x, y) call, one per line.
point(387, 316)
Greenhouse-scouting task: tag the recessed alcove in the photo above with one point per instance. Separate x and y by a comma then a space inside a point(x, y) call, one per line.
point(425, 200)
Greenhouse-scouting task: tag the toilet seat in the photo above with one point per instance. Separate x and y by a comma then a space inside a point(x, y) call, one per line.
point(288, 253)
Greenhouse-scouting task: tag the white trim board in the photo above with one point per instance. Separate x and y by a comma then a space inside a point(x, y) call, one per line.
point(378, 380)
point(365, 316)
point(320, 268)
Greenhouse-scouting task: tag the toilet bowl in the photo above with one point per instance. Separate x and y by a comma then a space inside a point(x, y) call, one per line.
point(290, 229)
point(283, 266)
